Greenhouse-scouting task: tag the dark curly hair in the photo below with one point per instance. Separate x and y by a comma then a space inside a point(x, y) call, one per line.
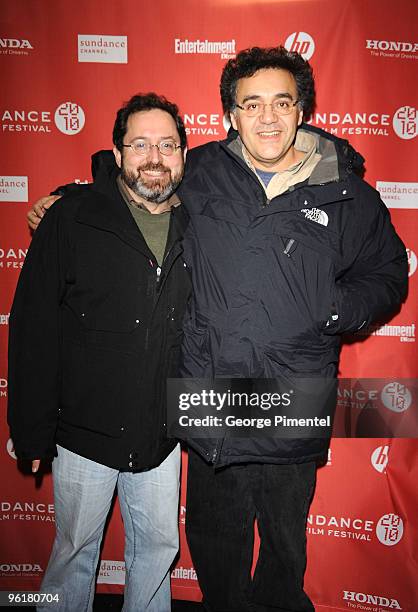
point(146, 102)
point(249, 61)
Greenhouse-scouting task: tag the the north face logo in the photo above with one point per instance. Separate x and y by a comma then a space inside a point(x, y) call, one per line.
point(316, 214)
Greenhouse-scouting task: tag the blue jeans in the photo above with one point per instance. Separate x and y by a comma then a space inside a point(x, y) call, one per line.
point(83, 492)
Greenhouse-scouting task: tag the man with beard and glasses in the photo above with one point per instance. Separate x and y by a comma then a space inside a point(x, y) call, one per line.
point(95, 330)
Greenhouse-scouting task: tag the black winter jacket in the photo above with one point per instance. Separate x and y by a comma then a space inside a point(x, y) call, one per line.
point(95, 330)
point(268, 275)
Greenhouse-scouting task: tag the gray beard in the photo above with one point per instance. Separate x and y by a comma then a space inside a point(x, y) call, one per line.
point(156, 194)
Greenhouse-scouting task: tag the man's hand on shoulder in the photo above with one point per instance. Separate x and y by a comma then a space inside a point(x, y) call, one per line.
point(37, 211)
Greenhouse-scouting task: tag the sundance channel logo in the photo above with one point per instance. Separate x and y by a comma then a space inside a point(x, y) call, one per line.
point(398, 195)
point(13, 188)
point(69, 118)
point(98, 48)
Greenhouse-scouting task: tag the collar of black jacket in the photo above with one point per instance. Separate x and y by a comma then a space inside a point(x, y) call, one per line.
point(103, 207)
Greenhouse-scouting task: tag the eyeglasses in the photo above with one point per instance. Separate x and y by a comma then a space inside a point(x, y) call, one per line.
point(143, 147)
point(283, 106)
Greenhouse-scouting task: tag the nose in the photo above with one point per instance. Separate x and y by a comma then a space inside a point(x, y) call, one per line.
point(154, 154)
point(268, 115)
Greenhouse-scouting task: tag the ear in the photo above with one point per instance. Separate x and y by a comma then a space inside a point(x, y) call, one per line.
point(300, 118)
point(233, 120)
point(118, 156)
point(184, 153)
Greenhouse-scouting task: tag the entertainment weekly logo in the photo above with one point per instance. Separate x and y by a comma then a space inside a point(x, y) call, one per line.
point(388, 529)
point(99, 48)
point(27, 511)
point(302, 43)
point(404, 50)
point(68, 117)
point(15, 46)
point(226, 49)
point(405, 333)
point(13, 188)
point(403, 122)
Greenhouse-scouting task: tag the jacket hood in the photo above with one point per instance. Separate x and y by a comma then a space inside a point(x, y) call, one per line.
point(338, 157)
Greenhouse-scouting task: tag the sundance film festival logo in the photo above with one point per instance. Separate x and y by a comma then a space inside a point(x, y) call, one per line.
point(412, 261)
point(396, 397)
point(301, 42)
point(389, 529)
point(11, 258)
point(379, 458)
point(202, 124)
point(405, 122)
point(69, 118)
point(3, 387)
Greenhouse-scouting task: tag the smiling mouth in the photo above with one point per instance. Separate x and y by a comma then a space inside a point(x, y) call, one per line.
point(269, 134)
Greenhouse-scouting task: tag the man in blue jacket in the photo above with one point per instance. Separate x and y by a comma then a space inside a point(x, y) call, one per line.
point(288, 249)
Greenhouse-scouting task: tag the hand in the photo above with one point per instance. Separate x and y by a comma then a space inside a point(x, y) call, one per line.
point(37, 211)
point(35, 465)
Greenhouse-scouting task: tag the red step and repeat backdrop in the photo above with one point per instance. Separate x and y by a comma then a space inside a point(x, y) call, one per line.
point(66, 68)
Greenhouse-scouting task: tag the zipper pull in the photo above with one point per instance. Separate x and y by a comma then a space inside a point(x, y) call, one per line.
point(158, 274)
point(288, 247)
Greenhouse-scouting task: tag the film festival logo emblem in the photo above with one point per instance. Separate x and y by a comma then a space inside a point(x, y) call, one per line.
point(69, 118)
point(405, 122)
point(389, 529)
point(396, 397)
point(301, 42)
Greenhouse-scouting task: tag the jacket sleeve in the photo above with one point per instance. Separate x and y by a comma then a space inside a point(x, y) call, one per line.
point(34, 342)
point(375, 281)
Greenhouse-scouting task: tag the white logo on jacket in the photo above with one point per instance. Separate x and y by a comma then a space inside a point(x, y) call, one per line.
point(316, 214)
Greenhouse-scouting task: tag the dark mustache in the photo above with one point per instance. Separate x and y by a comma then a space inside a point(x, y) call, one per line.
point(159, 167)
